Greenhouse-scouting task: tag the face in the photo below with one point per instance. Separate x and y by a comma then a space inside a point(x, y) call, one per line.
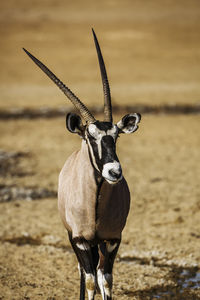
point(101, 138)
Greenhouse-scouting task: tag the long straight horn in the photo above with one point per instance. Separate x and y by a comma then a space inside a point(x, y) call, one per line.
point(85, 113)
point(106, 88)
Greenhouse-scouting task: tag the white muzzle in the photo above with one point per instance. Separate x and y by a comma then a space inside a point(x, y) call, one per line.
point(112, 172)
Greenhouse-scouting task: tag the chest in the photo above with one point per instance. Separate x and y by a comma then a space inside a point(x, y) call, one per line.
point(112, 208)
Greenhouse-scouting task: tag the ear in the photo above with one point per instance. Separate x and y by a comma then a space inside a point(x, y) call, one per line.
point(74, 124)
point(128, 123)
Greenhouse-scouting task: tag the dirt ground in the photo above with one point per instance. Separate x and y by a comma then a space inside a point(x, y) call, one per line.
point(161, 239)
point(152, 55)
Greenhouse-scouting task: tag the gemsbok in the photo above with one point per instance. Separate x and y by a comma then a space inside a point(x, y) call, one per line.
point(93, 195)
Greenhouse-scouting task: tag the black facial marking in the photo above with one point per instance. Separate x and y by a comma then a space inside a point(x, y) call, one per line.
point(108, 142)
point(103, 144)
point(108, 149)
point(94, 147)
point(105, 126)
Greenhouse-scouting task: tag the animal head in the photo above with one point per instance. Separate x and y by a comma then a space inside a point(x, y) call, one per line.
point(100, 136)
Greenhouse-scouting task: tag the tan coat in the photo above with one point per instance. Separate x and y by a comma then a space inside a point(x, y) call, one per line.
point(77, 200)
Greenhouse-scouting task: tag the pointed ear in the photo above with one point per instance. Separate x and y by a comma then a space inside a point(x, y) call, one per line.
point(74, 124)
point(128, 123)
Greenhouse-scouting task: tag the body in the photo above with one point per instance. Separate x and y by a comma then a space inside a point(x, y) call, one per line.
point(100, 205)
point(94, 201)
point(93, 196)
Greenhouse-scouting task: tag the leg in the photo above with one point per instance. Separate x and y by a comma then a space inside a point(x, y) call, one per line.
point(82, 284)
point(84, 255)
point(107, 253)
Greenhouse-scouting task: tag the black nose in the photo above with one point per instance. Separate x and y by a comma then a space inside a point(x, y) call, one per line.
point(115, 173)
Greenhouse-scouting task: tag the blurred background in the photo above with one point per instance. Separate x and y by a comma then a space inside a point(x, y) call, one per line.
point(152, 53)
point(151, 50)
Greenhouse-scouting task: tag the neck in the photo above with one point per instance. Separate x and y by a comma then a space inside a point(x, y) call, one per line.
point(85, 150)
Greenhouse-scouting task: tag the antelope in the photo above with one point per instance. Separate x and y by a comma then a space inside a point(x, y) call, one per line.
point(93, 195)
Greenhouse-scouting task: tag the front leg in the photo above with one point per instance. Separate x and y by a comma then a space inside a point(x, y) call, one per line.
point(107, 254)
point(84, 254)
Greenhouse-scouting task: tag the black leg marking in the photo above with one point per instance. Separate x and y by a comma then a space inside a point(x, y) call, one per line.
point(85, 255)
point(107, 253)
point(111, 252)
point(82, 276)
point(95, 256)
point(82, 284)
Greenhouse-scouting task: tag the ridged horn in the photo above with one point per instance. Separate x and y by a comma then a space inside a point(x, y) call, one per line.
point(85, 113)
point(106, 88)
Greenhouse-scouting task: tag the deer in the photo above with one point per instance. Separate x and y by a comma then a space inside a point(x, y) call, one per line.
point(93, 195)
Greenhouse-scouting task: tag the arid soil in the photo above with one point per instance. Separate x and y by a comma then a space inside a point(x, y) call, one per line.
point(152, 55)
point(161, 239)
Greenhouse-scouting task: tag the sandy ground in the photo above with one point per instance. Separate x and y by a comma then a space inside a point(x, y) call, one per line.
point(151, 49)
point(161, 239)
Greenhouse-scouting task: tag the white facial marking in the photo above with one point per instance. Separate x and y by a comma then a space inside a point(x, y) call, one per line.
point(92, 154)
point(94, 131)
point(111, 247)
point(113, 132)
point(112, 166)
point(83, 246)
point(99, 148)
point(97, 134)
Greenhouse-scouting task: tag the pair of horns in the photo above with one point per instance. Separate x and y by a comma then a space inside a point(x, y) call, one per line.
point(85, 113)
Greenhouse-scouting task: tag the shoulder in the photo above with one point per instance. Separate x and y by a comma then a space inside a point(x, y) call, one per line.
point(69, 163)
